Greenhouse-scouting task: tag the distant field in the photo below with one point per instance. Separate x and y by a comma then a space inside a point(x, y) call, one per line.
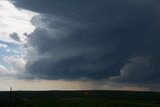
point(79, 99)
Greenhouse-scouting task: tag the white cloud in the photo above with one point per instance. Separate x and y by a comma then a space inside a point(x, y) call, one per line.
point(12, 51)
point(14, 20)
point(3, 70)
point(17, 63)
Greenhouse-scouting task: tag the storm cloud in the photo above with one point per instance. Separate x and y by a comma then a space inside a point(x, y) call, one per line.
point(94, 39)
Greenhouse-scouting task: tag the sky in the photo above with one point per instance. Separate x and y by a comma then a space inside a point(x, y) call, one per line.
point(80, 45)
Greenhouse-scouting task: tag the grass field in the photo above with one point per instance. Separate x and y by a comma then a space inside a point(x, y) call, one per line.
point(79, 99)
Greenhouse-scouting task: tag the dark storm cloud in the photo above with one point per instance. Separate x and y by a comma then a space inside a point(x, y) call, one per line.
point(72, 57)
point(95, 39)
point(15, 37)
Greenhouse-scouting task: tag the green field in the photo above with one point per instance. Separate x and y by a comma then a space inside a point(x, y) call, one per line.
point(79, 99)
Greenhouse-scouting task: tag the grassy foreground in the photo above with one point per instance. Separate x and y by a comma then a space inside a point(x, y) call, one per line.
point(79, 99)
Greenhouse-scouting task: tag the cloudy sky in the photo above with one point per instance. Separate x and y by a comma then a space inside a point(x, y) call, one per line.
point(85, 44)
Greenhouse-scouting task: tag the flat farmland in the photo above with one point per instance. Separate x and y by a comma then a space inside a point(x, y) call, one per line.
point(79, 99)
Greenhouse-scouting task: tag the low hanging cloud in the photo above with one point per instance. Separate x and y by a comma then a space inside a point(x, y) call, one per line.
point(96, 40)
point(15, 37)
